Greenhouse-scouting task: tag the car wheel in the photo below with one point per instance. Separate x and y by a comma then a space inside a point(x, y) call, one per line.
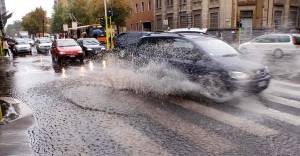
point(214, 88)
point(81, 60)
point(278, 53)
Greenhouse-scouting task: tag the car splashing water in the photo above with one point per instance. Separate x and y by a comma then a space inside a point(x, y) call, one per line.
point(157, 79)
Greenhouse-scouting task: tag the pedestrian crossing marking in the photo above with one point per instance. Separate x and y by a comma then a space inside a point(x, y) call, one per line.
point(282, 101)
point(234, 121)
point(255, 106)
point(133, 141)
point(208, 141)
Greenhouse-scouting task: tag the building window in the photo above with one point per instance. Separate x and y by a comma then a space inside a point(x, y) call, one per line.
point(278, 18)
point(137, 26)
point(197, 21)
point(143, 7)
point(158, 4)
point(136, 8)
point(169, 3)
point(149, 5)
point(131, 26)
point(183, 19)
point(170, 21)
point(214, 20)
point(293, 17)
point(158, 22)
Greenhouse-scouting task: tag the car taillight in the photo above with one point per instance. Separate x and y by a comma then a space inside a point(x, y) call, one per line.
point(294, 39)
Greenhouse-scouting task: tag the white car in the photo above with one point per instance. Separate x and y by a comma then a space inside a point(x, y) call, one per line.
point(21, 46)
point(189, 30)
point(43, 45)
point(277, 45)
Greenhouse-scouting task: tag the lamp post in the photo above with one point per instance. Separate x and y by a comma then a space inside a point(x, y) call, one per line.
point(106, 25)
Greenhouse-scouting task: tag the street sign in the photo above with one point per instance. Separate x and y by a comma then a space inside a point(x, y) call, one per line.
point(65, 27)
point(74, 25)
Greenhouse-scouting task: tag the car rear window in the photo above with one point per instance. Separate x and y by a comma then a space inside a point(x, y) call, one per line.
point(67, 43)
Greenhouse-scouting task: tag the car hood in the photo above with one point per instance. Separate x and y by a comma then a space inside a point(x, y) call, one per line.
point(238, 64)
point(93, 46)
point(45, 44)
point(23, 46)
point(66, 49)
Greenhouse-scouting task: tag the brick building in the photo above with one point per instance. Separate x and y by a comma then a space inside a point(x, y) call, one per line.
point(141, 16)
point(224, 14)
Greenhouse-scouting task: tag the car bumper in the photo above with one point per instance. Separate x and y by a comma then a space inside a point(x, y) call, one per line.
point(44, 49)
point(70, 56)
point(256, 85)
point(18, 51)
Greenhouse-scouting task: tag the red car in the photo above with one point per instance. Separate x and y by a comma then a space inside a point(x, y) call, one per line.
point(63, 49)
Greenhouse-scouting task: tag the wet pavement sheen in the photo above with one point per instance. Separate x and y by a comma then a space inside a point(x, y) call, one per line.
point(79, 112)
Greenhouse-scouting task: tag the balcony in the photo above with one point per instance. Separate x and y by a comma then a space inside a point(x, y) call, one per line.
point(214, 3)
point(279, 2)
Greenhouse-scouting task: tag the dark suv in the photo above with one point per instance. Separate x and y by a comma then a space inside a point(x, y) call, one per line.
point(205, 60)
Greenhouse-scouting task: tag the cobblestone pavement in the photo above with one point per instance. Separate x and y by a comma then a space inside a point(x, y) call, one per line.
point(77, 112)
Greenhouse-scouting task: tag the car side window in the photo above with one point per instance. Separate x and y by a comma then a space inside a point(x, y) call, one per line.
point(184, 49)
point(284, 39)
point(266, 39)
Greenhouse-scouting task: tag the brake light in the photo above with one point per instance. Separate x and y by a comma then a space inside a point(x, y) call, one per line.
point(294, 39)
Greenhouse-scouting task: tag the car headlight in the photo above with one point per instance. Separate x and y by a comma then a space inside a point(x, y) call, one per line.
point(239, 75)
point(89, 49)
point(80, 51)
point(61, 52)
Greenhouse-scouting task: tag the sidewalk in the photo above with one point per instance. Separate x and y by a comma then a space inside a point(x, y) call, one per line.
point(13, 135)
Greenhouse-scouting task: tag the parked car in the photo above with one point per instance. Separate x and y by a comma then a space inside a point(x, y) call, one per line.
point(43, 45)
point(277, 45)
point(195, 31)
point(63, 49)
point(21, 46)
point(126, 42)
point(218, 67)
point(91, 46)
point(30, 41)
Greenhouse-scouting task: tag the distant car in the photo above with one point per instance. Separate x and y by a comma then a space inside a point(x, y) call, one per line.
point(126, 42)
point(43, 45)
point(91, 46)
point(63, 49)
point(21, 46)
point(30, 41)
point(189, 31)
point(218, 68)
point(277, 45)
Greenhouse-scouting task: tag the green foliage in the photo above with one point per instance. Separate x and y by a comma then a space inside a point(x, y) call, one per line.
point(59, 17)
point(35, 21)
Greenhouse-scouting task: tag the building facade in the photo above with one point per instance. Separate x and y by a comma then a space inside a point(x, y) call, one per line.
point(141, 16)
point(226, 14)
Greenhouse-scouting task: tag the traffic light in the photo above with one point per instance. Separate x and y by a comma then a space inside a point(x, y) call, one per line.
point(110, 12)
point(102, 21)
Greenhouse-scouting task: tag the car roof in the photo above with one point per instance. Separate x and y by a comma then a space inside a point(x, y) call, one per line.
point(86, 38)
point(65, 39)
point(163, 34)
point(204, 30)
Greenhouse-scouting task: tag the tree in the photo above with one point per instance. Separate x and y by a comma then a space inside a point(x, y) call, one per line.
point(35, 21)
point(121, 11)
point(59, 17)
point(14, 28)
point(79, 11)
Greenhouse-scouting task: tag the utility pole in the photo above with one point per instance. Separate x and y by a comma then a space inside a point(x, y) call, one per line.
point(106, 26)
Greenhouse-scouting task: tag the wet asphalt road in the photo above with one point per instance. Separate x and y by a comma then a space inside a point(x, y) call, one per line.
point(77, 112)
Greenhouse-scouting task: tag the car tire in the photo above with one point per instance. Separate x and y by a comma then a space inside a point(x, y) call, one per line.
point(214, 88)
point(278, 53)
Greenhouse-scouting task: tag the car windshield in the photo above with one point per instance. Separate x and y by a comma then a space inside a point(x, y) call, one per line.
point(66, 43)
point(45, 41)
point(90, 42)
point(22, 41)
point(217, 48)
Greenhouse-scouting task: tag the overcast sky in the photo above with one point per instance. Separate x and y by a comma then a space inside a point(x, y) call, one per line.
point(20, 7)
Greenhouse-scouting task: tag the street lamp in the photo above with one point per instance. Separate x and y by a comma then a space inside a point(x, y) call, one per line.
point(106, 25)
